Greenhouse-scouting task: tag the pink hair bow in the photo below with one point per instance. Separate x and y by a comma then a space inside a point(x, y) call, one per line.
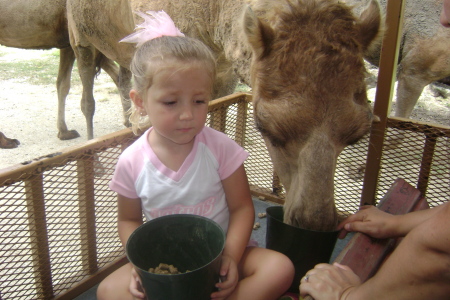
point(156, 24)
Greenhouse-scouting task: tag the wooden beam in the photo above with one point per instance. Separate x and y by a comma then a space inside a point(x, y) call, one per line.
point(364, 254)
point(385, 86)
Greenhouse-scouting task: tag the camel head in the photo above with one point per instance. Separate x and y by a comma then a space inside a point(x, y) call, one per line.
point(309, 95)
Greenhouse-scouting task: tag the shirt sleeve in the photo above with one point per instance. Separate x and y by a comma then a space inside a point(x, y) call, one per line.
point(229, 154)
point(127, 170)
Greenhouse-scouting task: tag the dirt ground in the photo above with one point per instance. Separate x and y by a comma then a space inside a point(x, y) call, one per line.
point(29, 110)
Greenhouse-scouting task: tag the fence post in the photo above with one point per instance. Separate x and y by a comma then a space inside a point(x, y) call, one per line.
point(385, 86)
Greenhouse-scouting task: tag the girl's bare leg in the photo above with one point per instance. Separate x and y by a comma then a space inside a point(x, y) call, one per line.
point(266, 274)
point(116, 285)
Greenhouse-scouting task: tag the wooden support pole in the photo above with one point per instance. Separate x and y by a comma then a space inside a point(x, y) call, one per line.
point(427, 160)
point(385, 86)
point(86, 206)
point(34, 189)
point(241, 122)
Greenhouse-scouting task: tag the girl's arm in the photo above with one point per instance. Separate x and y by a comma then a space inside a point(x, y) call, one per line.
point(129, 217)
point(242, 216)
point(242, 213)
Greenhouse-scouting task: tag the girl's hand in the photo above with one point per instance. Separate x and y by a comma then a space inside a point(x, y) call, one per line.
point(136, 286)
point(229, 278)
point(331, 282)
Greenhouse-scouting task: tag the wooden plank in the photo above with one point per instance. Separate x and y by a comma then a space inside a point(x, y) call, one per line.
point(17, 172)
point(426, 164)
point(241, 123)
point(86, 207)
point(92, 280)
point(363, 254)
point(384, 92)
point(39, 246)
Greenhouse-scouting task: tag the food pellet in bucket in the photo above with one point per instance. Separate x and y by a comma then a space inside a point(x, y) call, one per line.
point(165, 269)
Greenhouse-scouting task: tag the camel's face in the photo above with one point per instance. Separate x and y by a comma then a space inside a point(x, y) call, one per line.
point(310, 97)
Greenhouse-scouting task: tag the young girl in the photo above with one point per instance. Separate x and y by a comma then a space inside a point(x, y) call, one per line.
point(181, 166)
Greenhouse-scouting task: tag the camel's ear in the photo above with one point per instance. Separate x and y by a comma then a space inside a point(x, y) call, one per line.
point(371, 26)
point(259, 34)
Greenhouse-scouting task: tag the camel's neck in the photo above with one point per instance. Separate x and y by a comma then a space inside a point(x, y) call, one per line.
point(230, 34)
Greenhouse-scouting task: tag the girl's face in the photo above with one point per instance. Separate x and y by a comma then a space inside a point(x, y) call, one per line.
point(177, 102)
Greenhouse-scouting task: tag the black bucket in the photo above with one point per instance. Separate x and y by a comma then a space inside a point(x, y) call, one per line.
point(306, 248)
point(191, 243)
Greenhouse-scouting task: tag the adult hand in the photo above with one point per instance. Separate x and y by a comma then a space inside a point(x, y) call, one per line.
point(445, 14)
point(330, 282)
point(369, 220)
point(229, 278)
point(136, 286)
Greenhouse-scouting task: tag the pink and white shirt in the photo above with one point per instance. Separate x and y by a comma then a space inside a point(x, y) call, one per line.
point(196, 188)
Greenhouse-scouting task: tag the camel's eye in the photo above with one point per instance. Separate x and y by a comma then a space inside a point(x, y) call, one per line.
point(360, 97)
point(356, 132)
point(353, 141)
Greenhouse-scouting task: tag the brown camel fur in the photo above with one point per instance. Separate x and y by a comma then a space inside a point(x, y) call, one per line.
point(309, 95)
point(43, 25)
point(95, 27)
point(424, 51)
point(216, 24)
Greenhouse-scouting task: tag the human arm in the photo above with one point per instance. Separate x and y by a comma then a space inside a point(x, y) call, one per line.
point(417, 269)
point(242, 216)
point(445, 14)
point(378, 224)
point(129, 217)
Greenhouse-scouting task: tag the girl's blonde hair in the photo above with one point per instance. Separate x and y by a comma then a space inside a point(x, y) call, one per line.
point(158, 53)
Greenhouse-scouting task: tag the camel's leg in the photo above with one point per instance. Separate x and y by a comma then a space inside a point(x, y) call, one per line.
point(417, 69)
point(87, 70)
point(66, 60)
point(111, 69)
point(124, 90)
point(409, 90)
point(426, 63)
point(122, 78)
point(7, 143)
point(226, 79)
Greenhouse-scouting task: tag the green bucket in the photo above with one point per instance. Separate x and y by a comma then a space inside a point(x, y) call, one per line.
point(191, 243)
point(305, 248)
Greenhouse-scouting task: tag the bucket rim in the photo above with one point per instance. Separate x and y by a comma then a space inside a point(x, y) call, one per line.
point(176, 216)
point(278, 207)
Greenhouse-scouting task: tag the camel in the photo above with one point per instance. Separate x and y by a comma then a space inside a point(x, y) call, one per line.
point(309, 95)
point(423, 54)
point(45, 28)
point(94, 34)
